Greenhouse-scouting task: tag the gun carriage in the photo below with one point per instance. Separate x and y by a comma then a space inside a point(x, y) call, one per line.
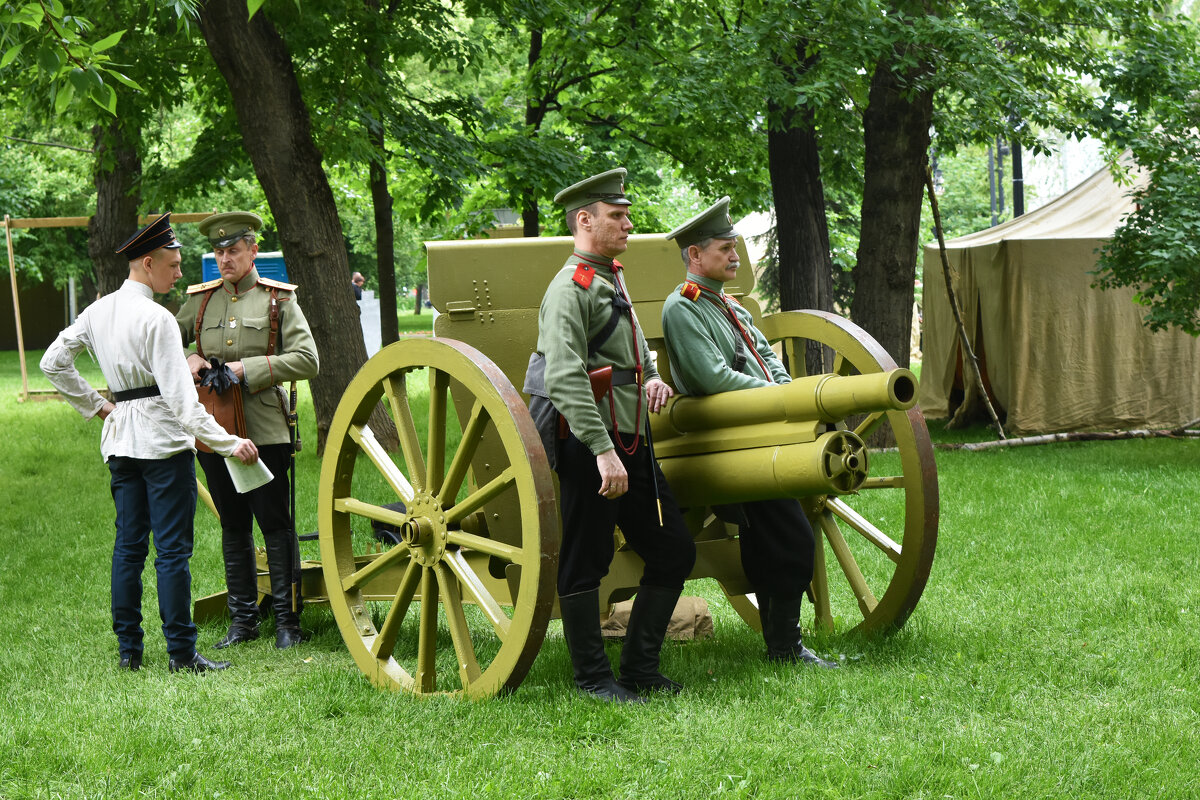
point(462, 602)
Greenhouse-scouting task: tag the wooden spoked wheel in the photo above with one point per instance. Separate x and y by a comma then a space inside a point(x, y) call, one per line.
point(883, 537)
point(461, 604)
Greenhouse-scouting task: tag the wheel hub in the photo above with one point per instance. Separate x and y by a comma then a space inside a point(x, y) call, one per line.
point(425, 530)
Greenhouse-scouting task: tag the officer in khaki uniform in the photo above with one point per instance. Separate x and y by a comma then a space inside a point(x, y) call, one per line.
point(606, 474)
point(715, 347)
point(255, 326)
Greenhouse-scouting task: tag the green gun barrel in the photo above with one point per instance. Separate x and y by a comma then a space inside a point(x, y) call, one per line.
point(774, 441)
point(824, 398)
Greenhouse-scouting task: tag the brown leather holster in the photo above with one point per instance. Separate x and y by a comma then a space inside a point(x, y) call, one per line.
point(601, 380)
point(226, 409)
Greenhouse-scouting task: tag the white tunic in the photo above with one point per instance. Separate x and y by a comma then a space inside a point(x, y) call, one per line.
point(136, 342)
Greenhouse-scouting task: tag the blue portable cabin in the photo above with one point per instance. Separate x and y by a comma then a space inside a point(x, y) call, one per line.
point(269, 265)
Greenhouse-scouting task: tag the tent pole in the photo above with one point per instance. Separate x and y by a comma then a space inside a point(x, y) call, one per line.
point(962, 329)
point(12, 274)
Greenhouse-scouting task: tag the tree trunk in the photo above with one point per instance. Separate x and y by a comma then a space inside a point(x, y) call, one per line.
point(385, 241)
point(276, 134)
point(801, 227)
point(535, 113)
point(118, 169)
point(896, 136)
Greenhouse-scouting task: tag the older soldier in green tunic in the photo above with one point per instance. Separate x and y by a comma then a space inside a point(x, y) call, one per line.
point(607, 476)
point(714, 347)
point(255, 326)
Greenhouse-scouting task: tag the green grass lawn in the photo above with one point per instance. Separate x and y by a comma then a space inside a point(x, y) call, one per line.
point(409, 322)
point(1053, 655)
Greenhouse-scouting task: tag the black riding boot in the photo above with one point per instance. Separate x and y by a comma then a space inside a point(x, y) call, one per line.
point(652, 610)
point(780, 616)
point(241, 583)
point(581, 628)
point(283, 562)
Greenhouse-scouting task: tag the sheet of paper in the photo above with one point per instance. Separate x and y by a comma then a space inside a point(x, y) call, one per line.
point(247, 477)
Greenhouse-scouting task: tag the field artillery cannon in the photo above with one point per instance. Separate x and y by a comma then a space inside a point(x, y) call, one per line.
point(479, 529)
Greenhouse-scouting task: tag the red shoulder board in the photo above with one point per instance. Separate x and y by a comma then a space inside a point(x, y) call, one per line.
point(583, 275)
point(690, 290)
point(734, 299)
point(617, 265)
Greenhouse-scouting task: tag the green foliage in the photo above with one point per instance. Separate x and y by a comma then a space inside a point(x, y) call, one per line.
point(45, 181)
point(45, 46)
point(1157, 248)
point(494, 104)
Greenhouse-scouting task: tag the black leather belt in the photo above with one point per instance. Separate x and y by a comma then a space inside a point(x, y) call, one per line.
point(623, 377)
point(136, 394)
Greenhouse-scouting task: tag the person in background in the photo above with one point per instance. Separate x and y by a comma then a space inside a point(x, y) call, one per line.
point(149, 432)
point(356, 281)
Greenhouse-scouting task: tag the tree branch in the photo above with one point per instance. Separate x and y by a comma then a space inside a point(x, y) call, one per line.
point(50, 144)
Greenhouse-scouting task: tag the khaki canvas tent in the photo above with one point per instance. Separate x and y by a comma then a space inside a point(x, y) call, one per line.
point(1057, 354)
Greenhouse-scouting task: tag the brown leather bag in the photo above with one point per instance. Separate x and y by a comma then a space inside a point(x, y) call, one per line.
point(226, 408)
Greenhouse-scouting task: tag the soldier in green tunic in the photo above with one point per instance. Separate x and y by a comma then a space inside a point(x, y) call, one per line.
point(607, 476)
point(715, 347)
point(255, 326)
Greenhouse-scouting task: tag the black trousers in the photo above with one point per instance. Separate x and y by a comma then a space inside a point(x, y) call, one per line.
point(269, 505)
point(588, 520)
point(777, 546)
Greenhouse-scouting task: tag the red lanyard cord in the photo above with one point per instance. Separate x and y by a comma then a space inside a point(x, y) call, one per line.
point(722, 302)
point(637, 356)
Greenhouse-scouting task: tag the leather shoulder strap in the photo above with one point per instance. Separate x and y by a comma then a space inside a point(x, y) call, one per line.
point(273, 337)
point(200, 316)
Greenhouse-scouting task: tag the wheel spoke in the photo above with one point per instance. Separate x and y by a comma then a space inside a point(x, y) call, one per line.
point(349, 505)
point(860, 523)
point(426, 675)
point(793, 350)
point(365, 439)
point(385, 641)
point(438, 385)
point(820, 591)
point(460, 634)
point(481, 496)
point(396, 389)
point(482, 544)
point(478, 592)
point(866, 599)
point(870, 423)
point(883, 482)
point(471, 436)
point(360, 578)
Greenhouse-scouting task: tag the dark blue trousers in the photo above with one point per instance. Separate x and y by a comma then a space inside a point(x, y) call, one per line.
point(156, 495)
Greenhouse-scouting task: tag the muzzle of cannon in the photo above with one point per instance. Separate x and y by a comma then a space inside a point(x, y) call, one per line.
point(769, 442)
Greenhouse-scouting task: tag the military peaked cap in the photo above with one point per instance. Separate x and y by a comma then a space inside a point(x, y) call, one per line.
point(150, 238)
point(713, 222)
point(607, 187)
point(223, 230)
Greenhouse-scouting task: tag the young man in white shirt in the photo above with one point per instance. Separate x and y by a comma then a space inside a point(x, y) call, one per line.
point(148, 440)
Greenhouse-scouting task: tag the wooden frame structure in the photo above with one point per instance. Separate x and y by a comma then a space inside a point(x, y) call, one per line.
point(55, 222)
